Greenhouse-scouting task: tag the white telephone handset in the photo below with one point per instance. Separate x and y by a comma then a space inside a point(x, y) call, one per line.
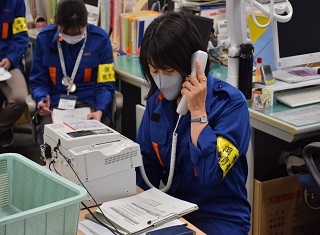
point(202, 57)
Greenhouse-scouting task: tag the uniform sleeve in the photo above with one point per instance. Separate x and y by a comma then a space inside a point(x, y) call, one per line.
point(39, 76)
point(151, 164)
point(19, 42)
point(233, 125)
point(105, 90)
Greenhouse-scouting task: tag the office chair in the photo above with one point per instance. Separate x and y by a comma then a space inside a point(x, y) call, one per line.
point(115, 124)
point(310, 176)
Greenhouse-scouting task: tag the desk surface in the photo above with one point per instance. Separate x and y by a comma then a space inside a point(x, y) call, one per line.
point(127, 69)
point(262, 120)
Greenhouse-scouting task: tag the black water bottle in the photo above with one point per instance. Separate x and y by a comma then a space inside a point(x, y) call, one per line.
point(245, 69)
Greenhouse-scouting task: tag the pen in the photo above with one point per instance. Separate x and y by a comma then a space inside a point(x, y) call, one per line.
point(37, 112)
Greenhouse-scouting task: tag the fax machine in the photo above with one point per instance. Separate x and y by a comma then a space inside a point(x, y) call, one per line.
point(102, 158)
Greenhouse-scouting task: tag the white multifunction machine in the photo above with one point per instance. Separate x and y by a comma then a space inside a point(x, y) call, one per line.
point(93, 153)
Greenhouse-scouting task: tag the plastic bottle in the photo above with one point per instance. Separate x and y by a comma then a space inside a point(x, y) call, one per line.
point(258, 77)
point(245, 70)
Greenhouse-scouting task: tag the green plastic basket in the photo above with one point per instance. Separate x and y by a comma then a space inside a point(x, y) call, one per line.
point(36, 201)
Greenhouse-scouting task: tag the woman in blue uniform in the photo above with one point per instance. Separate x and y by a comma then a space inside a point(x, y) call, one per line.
point(72, 60)
point(213, 137)
point(13, 44)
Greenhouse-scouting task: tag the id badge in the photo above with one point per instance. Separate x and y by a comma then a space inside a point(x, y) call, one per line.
point(67, 101)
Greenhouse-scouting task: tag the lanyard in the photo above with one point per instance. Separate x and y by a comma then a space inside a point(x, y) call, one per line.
point(76, 66)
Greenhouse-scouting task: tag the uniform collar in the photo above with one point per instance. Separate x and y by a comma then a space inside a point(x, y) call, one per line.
point(56, 36)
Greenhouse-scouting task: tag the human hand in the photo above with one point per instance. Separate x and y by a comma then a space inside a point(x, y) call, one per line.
point(96, 115)
point(195, 90)
point(44, 107)
point(5, 63)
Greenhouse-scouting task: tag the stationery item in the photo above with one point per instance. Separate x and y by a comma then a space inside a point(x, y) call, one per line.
point(262, 98)
point(142, 24)
point(4, 74)
point(142, 212)
point(127, 28)
point(133, 28)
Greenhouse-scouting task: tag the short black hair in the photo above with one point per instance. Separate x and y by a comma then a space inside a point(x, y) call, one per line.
point(169, 42)
point(71, 16)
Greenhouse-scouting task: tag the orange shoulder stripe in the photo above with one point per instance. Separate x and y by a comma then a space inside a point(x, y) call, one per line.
point(53, 75)
point(5, 30)
point(156, 149)
point(195, 173)
point(87, 74)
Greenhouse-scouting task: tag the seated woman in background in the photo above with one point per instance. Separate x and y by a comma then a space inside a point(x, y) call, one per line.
point(13, 44)
point(72, 60)
point(213, 137)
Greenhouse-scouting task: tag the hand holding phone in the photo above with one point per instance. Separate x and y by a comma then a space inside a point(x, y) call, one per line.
point(202, 57)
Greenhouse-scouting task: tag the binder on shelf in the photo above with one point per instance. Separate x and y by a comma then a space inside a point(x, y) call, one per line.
point(143, 24)
point(126, 28)
point(133, 28)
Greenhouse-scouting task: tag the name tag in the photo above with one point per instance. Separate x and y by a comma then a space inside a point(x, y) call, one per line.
point(67, 101)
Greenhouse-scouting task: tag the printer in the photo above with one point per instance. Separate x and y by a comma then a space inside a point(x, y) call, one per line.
point(93, 153)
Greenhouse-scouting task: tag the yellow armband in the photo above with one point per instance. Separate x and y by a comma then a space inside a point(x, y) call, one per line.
point(106, 73)
point(19, 25)
point(228, 154)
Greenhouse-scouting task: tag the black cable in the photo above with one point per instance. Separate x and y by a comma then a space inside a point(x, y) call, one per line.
point(55, 168)
point(69, 163)
point(50, 165)
point(102, 224)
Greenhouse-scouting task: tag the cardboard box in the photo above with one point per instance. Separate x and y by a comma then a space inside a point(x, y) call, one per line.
point(279, 208)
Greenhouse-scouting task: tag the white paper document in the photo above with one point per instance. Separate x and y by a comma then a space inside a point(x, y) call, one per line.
point(144, 211)
point(300, 116)
point(4, 74)
point(61, 116)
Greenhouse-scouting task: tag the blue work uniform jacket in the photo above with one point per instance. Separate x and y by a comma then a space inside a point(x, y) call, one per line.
point(198, 177)
point(13, 44)
point(46, 73)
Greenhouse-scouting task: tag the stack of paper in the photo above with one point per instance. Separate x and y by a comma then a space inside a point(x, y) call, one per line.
point(142, 212)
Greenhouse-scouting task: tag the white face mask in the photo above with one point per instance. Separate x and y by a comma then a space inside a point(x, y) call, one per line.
point(170, 85)
point(71, 39)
